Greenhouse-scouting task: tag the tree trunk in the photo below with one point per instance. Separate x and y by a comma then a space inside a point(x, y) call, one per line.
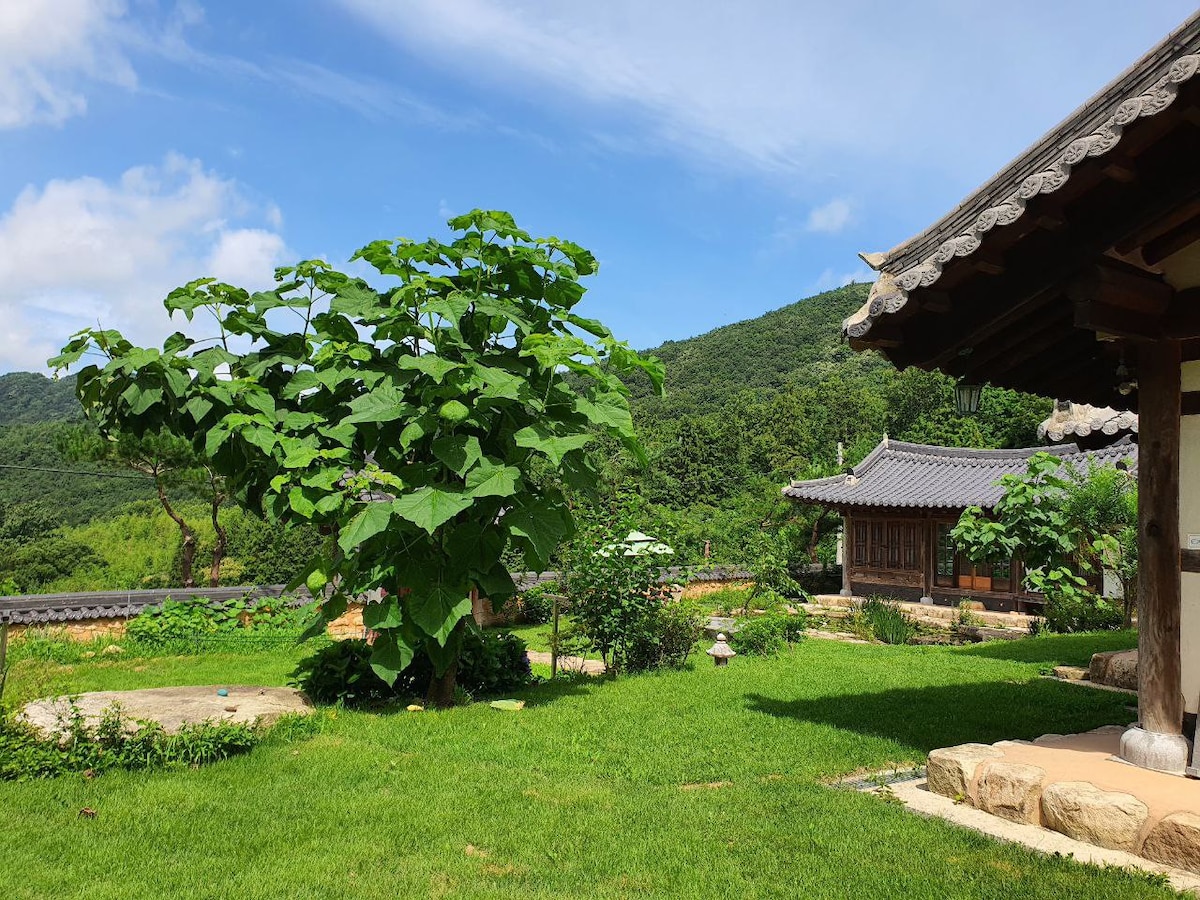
point(440, 694)
point(189, 537)
point(441, 687)
point(222, 536)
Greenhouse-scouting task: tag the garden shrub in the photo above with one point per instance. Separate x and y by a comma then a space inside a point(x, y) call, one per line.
point(114, 744)
point(1069, 612)
point(490, 662)
point(535, 605)
point(769, 633)
point(666, 640)
point(617, 601)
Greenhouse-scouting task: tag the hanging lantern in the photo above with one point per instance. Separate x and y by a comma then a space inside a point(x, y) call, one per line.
point(966, 397)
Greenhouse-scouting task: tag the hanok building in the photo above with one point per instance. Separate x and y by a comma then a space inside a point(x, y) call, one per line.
point(1075, 273)
point(898, 508)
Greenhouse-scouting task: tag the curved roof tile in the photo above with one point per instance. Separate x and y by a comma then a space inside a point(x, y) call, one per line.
point(900, 474)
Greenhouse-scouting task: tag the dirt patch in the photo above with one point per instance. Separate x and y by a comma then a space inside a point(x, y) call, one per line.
point(171, 707)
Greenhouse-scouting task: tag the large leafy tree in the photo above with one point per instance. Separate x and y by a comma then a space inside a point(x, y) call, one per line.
point(1059, 523)
point(405, 420)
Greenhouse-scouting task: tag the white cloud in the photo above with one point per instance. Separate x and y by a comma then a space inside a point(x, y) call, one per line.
point(803, 89)
point(830, 218)
point(830, 279)
point(74, 252)
point(50, 50)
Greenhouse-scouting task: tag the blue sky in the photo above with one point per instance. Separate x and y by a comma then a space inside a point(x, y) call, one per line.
point(720, 159)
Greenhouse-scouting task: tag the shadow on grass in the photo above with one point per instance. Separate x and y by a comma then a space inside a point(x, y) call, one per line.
point(942, 716)
point(567, 684)
point(1054, 649)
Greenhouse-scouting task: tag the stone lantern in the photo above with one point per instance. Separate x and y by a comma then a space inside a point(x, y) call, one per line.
point(721, 652)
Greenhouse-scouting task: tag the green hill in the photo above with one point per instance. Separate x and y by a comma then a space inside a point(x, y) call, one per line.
point(33, 473)
point(28, 398)
point(786, 347)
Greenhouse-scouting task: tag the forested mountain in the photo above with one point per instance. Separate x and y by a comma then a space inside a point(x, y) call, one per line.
point(748, 407)
point(27, 398)
point(33, 412)
point(763, 355)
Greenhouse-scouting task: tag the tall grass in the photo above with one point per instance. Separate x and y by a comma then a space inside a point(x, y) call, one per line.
point(886, 621)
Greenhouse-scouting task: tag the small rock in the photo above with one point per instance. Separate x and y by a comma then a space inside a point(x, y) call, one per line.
point(231, 709)
point(1082, 811)
point(1175, 841)
point(950, 769)
point(1010, 791)
point(113, 650)
point(90, 654)
point(1071, 673)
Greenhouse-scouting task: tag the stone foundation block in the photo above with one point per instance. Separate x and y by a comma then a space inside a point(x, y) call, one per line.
point(1175, 841)
point(1082, 811)
point(1011, 791)
point(951, 769)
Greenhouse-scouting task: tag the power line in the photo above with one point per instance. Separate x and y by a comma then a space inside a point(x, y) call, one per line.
point(76, 472)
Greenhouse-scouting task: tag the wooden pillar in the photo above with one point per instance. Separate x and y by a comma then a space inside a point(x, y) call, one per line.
point(847, 553)
point(928, 557)
point(1160, 698)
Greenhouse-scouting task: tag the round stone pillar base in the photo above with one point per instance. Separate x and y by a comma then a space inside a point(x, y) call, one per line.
point(1152, 750)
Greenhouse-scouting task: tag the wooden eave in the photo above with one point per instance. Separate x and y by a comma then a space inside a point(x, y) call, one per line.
point(1042, 292)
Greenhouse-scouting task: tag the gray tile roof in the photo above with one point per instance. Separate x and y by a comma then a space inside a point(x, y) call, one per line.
point(899, 474)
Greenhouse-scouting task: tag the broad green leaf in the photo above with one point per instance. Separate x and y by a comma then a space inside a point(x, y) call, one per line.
point(496, 583)
point(433, 366)
point(458, 452)
point(370, 521)
point(491, 480)
point(437, 608)
point(499, 383)
point(390, 655)
point(300, 503)
point(384, 614)
point(384, 404)
point(543, 525)
point(430, 507)
point(355, 300)
point(555, 447)
point(297, 455)
point(609, 410)
point(198, 407)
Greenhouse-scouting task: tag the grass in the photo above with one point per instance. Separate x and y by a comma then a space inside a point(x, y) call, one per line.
point(701, 783)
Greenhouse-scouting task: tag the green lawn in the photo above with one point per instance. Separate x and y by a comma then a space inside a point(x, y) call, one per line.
point(694, 784)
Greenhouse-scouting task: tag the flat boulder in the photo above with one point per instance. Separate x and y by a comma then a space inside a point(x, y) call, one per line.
point(949, 770)
point(170, 707)
point(1115, 668)
point(1082, 811)
point(1010, 790)
point(1175, 841)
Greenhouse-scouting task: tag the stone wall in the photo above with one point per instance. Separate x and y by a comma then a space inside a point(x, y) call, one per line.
point(83, 630)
